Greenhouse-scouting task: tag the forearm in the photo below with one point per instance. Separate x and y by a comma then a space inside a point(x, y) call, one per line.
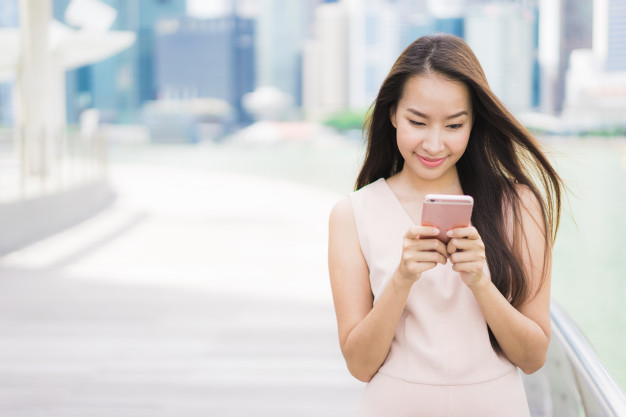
point(367, 345)
point(522, 340)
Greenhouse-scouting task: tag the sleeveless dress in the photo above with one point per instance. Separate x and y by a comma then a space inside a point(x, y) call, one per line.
point(441, 362)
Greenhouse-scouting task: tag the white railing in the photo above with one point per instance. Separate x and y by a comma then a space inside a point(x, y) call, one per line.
point(573, 381)
point(32, 164)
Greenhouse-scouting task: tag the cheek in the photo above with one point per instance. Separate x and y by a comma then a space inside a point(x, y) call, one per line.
point(458, 144)
point(404, 135)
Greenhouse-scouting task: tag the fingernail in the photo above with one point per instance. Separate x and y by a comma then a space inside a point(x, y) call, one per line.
point(436, 231)
point(449, 233)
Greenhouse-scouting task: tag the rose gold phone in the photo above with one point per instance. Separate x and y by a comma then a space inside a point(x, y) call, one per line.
point(447, 212)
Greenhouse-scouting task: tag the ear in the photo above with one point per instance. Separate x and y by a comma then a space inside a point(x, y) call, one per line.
point(392, 116)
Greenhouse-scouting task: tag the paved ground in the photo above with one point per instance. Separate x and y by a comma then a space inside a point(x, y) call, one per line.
point(196, 294)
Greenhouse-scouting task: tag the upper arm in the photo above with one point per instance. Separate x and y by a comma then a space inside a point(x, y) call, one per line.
point(535, 253)
point(349, 274)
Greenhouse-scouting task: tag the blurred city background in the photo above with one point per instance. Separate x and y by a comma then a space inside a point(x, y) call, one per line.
point(167, 168)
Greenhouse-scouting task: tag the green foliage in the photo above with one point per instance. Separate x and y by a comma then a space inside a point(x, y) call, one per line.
point(607, 132)
point(346, 120)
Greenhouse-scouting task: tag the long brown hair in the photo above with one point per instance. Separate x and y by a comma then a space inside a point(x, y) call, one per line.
point(500, 154)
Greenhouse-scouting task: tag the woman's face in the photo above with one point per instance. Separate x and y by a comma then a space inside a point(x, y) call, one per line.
point(433, 121)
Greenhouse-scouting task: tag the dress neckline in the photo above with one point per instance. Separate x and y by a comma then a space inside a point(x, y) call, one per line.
point(395, 198)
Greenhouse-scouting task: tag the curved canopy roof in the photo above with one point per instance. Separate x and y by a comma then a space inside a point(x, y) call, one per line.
point(70, 48)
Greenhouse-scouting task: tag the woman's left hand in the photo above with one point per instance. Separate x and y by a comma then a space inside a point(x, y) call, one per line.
point(467, 254)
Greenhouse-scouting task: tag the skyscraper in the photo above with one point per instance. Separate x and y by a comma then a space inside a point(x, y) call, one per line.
point(325, 63)
point(9, 13)
point(8, 19)
point(616, 36)
point(375, 43)
point(209, 58)
point(576, 33)
point(282, 29)
point(118, 86)
point(596, 79)
point(502, 37)
point(415, 20)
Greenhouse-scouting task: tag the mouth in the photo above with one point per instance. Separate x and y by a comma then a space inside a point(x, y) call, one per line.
point(430, 162)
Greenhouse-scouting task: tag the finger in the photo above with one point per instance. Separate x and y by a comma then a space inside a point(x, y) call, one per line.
point(415, 232)
point(419, 267)
point(427, 256)
point(451, 247)
point(471, 267)
point(467, 256)
point(429, 244)
point(464, 232)
point(426, 245)
point(421, 232)
point(465, 244)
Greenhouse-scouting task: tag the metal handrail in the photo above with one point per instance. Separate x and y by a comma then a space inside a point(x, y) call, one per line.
point(588, 366)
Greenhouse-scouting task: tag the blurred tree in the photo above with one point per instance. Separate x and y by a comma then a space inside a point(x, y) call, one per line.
point(346, 119)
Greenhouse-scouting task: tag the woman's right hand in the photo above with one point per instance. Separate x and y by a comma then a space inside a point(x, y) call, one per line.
point(421, 251)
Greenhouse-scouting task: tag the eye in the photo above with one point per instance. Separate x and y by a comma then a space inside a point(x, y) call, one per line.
point(456, 126)
point(414, 123)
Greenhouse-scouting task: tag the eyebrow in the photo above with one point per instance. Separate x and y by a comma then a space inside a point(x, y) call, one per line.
point(452, 116)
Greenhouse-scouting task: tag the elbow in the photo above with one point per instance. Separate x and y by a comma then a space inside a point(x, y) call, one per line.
point(534, 363)
point(536, 355)
point(532, 368)
point(360, 362)
point(360, 374)
point(360, 368)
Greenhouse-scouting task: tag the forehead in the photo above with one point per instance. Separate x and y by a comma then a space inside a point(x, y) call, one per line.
point(436, 92)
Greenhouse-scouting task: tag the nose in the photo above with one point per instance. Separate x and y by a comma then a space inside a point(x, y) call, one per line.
point(433, 142)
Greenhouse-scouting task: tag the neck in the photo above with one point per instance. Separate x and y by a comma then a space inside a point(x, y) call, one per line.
point(448, 184)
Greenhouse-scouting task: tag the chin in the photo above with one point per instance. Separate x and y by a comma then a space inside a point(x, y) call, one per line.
point(431, 173)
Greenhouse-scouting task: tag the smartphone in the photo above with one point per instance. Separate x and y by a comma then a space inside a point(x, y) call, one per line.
point(447, 212)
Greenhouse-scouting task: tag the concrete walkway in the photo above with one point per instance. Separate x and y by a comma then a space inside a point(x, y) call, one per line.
point(196, 294)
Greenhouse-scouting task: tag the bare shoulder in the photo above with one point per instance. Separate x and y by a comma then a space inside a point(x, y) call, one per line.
point(342, 226)
point(528, 199)
point(342, 211)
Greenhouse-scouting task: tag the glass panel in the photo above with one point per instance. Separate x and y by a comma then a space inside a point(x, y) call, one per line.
point(553, 390)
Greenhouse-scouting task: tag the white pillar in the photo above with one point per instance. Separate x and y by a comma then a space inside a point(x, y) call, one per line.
point(39, 80)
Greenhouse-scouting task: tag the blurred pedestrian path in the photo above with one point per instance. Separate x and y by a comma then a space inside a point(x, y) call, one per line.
point(198, 293)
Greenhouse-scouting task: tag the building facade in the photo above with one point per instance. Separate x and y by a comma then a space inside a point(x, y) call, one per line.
point(206, 58)
point(326, 63)
point(502, 35)
point(120, 85)
point(283, 27)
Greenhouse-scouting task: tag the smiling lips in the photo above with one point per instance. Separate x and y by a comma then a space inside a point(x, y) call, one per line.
point(429, 162)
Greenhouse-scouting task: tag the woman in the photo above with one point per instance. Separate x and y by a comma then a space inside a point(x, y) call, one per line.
point(435, 329)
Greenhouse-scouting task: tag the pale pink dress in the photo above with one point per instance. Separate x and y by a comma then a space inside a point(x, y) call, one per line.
point(440, 362)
